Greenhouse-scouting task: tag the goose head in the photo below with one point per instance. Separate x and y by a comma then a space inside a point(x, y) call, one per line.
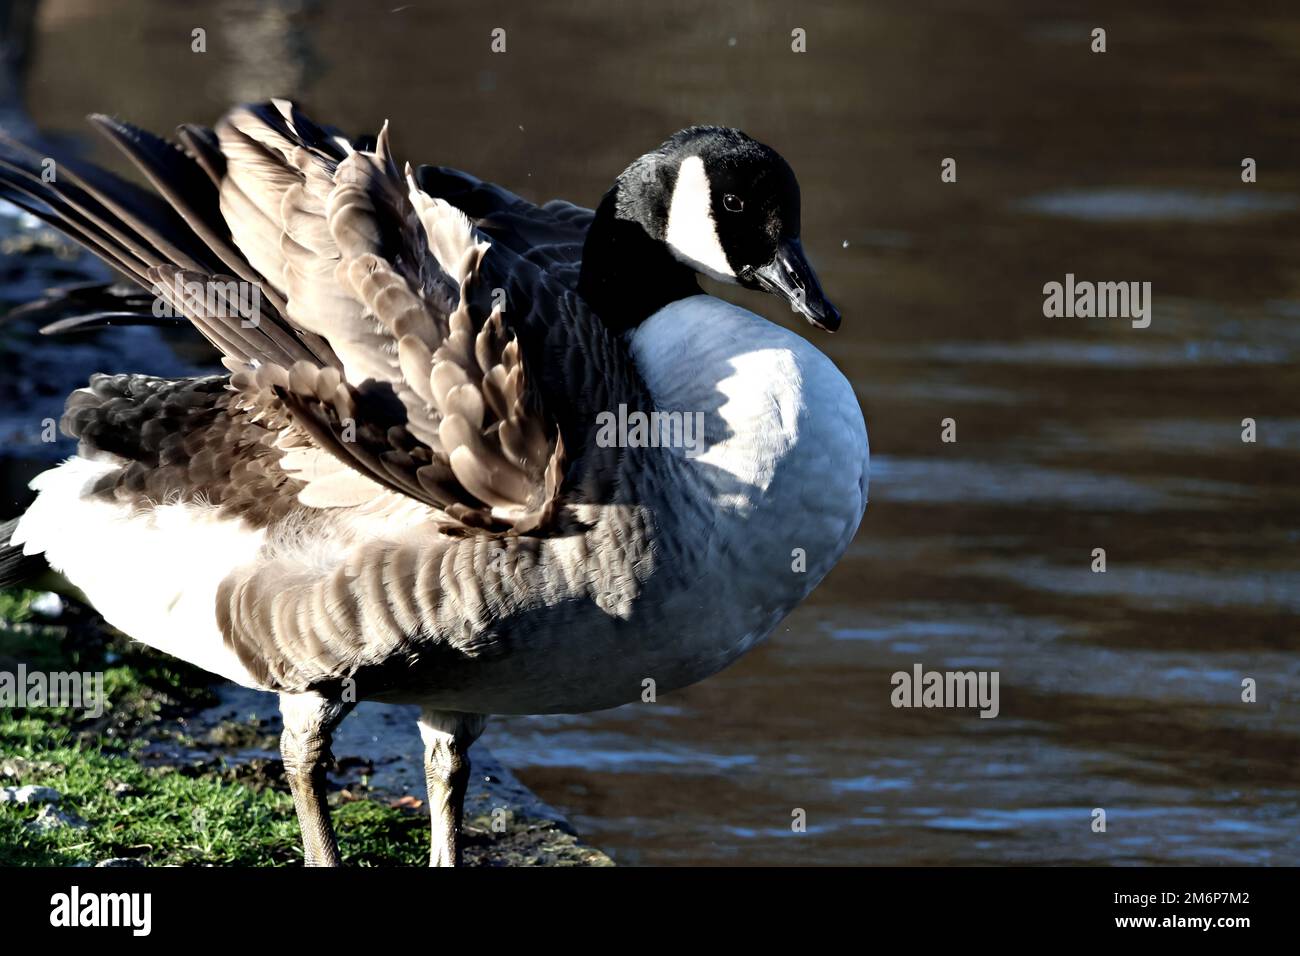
point(709, 201)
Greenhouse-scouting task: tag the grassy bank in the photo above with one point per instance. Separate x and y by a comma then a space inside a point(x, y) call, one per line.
point(118, 799)
point(161, 777)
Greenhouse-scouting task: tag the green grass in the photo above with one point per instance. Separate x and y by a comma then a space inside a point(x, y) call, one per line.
point(15, 605)
point(170, 815)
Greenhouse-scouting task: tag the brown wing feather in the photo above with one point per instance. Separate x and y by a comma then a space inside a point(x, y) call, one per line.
point(390, 275)
point(367, 334)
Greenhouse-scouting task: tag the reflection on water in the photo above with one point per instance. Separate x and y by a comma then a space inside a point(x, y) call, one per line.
point(1153, 205)
point(1119, 690)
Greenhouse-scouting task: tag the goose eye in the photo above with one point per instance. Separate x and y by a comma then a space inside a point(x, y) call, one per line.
point(732, 203)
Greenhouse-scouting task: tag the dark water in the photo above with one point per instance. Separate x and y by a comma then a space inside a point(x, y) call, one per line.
point(1119, 691)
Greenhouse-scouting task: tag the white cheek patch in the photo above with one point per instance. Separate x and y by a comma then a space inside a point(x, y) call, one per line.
point(692, 234)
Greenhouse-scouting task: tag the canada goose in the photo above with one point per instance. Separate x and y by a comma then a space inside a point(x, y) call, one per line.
point(400, 491)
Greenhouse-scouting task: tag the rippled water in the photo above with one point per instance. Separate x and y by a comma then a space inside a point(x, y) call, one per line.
point(1120, 690)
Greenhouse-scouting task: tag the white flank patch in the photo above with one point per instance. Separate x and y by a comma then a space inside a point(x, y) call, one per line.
point(692, 233)
point(153, 574)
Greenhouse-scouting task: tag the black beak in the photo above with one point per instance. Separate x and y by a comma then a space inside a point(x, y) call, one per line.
point(791, 277)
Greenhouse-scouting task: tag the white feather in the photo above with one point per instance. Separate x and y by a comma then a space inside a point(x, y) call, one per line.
point(785, 443)
point(692, 234)
point(152, 574)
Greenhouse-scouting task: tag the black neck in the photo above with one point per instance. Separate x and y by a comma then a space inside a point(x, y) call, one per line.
point(627, 275)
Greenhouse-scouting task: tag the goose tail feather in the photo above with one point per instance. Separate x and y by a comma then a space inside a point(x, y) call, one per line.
point(17, 568)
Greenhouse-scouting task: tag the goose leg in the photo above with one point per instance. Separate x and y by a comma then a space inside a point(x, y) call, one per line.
point(447, 738)
point(309, 722)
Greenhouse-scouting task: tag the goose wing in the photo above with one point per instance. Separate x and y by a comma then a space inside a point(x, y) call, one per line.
point(551, 235)
point(373, 340)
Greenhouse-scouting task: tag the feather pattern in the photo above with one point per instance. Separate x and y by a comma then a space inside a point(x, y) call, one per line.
point(387, 276)
point(368, 333)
